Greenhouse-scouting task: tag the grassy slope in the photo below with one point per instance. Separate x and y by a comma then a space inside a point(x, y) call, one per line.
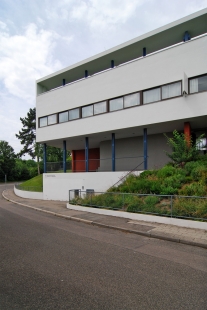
point(188, 181)
point(36, 181)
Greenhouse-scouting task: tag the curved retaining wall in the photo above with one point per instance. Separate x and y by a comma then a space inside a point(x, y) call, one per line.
point(27, 194)
point(142, 217)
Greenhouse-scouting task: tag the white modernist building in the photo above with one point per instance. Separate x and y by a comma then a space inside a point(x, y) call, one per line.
point(112, 110)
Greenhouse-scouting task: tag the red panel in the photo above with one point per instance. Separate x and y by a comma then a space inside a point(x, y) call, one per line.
point(94, 159)
point(78, 160)
point(187, 132)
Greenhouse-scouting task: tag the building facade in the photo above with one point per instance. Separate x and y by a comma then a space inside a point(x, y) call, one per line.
point(113, 109)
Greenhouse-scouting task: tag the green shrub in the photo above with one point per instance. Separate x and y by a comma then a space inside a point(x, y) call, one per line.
point(147, 173)
point(193, 189)
point(199, 173)
point(135, 204)
point(191, 166)
point(189, 207)
point(151, 200)
point(168, 190)
point(166, 171)
point(203, 159)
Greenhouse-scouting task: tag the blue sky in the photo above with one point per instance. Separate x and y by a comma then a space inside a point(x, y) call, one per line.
point(40, 37)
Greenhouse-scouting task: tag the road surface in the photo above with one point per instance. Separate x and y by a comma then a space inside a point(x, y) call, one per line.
point(53, 263)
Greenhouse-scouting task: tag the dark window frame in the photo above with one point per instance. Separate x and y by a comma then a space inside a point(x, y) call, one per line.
point(114, 99)
point(133, 106)
point(171, 84)
point(59, 116)
point(151, 89)
point(85, 106)
point(40, 119)
point(56, 119)
point(102, 112)
point(140, 92)
point(195, 77)
point(79, 114)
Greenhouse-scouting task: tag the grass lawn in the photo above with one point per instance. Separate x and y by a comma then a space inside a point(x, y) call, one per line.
point(34, 184)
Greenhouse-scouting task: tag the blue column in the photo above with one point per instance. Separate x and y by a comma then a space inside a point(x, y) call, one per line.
point(86, 153)
point(64, 156)
point(113, 152)
point(45, 157)
point(144, 51)
point(112, 63)
point(145, 148)
point(63, 82)
point(186, 36)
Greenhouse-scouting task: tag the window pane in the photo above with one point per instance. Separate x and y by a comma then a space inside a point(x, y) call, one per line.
point(193, 86)
point(171, 90)
point(43, 121)
point(116, 104)
point(131, 100)
point(87, 111)
point(100, 107)
point(151, 95)
point(198, 84)
point(63, 117)
point(73, 114)
point(52, 119)
point(202, 83)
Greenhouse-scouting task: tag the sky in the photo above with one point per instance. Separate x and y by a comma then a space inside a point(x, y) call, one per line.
point(38, 37)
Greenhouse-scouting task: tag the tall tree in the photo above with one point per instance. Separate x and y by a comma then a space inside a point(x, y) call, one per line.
point(27, 135)
point(7, 160)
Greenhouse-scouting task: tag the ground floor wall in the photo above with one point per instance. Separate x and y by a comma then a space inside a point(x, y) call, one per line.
point(129, 153)
point(56, 186)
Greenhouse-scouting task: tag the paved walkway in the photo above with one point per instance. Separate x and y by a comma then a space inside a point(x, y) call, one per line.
point(196, 237)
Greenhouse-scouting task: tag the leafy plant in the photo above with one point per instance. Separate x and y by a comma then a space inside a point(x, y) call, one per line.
point(183, 149)
point(7, 160)
point(193, 189)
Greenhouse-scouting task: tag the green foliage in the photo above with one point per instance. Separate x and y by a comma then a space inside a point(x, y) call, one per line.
point(27, 135)
point(196, 208)
point(151, 201)
point(166, 171)
point(7, 160)
point(36, 181)
point(149, 174)
point(193, 189)
point(183, 149)
point(190, 180)
point(24, 169)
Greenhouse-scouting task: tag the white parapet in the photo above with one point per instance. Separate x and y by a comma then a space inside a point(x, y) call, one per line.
point(28, 194)
point(56, 186)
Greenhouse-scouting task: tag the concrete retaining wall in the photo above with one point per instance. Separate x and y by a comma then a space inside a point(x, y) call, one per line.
point(142, 217)
point(56, 186)
point(27, 194)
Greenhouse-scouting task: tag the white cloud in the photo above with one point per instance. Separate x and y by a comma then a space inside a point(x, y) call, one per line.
point(101, 14)
point(3, 26)
point(24, 58)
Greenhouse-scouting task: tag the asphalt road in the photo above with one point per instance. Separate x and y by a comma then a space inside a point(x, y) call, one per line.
point(53, 263)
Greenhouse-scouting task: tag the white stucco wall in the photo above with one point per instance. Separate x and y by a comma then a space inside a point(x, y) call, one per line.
point(57, 185)
point(164, 67)
point(27, 194)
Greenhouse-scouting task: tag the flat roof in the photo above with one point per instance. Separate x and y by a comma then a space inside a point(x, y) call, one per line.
point(168, 35)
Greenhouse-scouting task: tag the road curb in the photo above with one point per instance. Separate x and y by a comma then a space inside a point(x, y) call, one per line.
point(131, 231)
